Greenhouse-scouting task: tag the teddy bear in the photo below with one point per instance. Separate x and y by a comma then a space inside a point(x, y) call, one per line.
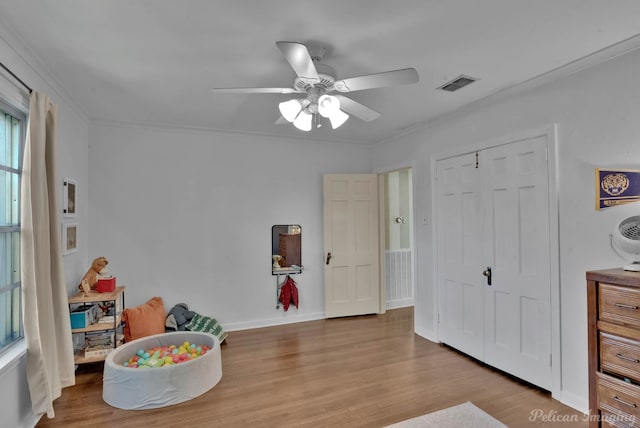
point(178, 317)
point(97, 269)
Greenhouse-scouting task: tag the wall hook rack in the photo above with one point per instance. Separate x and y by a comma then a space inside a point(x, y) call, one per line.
point(280, 283)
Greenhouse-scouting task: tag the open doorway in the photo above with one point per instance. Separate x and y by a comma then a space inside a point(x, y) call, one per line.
point(398, 251)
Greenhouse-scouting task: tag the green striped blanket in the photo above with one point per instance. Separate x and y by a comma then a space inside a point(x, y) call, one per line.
point(206, 325)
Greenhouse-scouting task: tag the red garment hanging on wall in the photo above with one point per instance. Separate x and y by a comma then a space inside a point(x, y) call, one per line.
point(289, 293)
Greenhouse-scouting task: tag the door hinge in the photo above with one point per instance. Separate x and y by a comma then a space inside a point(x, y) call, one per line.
point(546, 154)
point(477, 161)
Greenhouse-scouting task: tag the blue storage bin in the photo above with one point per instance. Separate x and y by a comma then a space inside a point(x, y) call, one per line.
point(83, 317)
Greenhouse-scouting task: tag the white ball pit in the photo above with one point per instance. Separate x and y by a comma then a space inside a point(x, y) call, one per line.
point(149, 388)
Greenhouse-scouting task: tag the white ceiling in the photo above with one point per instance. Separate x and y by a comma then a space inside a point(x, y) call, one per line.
point(153, 62)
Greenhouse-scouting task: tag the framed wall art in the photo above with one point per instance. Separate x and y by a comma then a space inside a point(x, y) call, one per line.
point(69, 238)
point(616, 187)
point(70, 191)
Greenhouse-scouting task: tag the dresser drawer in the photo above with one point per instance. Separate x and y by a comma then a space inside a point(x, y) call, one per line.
point(619, 304)
point(620, 355)
point(618, 421)
point(620, 400)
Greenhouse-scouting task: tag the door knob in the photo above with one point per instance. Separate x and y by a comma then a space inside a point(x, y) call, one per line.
point(487, 273)
point(328, 257)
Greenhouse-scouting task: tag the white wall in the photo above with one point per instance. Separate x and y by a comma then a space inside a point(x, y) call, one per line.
point(15, 406)
point(187, 216)
point(597, 112)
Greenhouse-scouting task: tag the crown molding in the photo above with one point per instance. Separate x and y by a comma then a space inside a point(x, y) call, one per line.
point(226, 132)
point(584, 63)
point(32, 69)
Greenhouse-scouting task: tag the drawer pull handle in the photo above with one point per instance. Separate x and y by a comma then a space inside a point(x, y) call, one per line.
point(624, 357)
point(623, 306)
point(621, 401)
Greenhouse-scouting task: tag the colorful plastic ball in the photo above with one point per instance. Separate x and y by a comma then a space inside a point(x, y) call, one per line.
point(160, 356)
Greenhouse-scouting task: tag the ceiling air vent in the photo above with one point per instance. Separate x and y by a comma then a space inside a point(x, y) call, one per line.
point(457, 83)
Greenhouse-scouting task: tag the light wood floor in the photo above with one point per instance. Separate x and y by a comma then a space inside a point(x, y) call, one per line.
point(367, 371)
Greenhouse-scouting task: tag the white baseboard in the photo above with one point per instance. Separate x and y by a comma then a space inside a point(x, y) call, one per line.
point(427, 334)
point(289, 318)
point(400, 303)
point(574, 401)
point(31, 420)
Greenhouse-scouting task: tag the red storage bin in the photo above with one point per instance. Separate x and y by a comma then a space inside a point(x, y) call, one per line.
point(106, 285)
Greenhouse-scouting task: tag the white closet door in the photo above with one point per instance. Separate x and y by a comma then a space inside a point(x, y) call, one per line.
point(459, 235)
point(493, 214)
point(516, 246)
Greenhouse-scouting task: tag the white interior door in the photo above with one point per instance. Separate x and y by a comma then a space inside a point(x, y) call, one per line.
point(352, 251)
point(516, 247)
point(459, 237)
point(493, 212)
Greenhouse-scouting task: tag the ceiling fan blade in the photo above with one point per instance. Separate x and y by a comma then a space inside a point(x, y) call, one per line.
point(356, 109)
point(254, 90)
point(282, 121)
point(403, 76)
point(298, 57)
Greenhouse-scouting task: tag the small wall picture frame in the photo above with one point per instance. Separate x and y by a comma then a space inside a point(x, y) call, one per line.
point(69, 238)
point(70, 191)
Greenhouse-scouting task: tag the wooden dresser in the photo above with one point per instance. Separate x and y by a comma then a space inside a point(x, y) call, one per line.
point(613, 309)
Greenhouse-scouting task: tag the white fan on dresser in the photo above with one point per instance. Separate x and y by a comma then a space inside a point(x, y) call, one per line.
point(625, 240)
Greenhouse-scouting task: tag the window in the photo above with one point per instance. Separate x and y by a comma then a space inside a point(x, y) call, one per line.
point(11, 146)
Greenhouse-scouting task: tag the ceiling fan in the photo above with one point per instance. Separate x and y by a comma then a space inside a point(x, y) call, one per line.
point(318, 82)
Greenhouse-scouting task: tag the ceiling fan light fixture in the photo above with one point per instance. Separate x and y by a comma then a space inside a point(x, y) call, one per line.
point(303, 121)
point(316, 80)
point(337, 118)
point(290, 109)
point(327, 104)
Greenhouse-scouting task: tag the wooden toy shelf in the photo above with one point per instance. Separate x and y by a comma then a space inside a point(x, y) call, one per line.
point(82, 299)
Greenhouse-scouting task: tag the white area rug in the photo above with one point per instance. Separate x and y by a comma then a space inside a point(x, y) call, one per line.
point(463, 415)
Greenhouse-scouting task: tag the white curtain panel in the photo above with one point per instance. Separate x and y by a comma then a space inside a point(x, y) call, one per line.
point(50, 365)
